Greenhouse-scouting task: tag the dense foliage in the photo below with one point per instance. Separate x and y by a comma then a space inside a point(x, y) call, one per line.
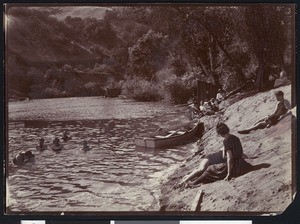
point(127, 51)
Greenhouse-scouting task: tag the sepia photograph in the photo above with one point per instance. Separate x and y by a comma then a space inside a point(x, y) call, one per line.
point(150, 109)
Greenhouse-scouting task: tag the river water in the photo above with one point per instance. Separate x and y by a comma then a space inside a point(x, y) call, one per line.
point(113, 176)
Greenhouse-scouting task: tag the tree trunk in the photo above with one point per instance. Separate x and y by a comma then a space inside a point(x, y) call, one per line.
point(237, 67)
point(259, 83)
point(212, 56)
point(211, 53)
point(208, 73)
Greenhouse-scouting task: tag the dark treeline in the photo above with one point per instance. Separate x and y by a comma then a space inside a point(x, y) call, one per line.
point(147, 53)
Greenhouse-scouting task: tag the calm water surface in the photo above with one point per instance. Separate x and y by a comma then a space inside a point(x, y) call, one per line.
point(113, 176)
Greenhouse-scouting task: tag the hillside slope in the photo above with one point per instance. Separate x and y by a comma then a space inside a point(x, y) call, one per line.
point(76, 34)
point(65, 47)
point(38, 37)
point(267, 189)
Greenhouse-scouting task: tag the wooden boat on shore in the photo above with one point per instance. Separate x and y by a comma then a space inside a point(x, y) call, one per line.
point(171, 138)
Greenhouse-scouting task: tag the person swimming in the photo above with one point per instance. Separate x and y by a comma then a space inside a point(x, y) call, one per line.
point(85, 146)
point(41, 147)
point(65, 136)
point(56, 147)
point(23, 157)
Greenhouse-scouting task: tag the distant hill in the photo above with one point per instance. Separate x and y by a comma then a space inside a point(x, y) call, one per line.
point(65, 33)
point(42, 40)
point(39, 38)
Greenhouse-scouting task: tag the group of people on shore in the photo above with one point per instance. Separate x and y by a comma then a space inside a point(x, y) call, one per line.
point(206, 107)
point(230, 161)
point(25, 157)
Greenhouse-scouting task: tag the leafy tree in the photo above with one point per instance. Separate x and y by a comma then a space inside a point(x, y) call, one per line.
point(148, 55)
point(267, 37)
point(220, 44)
point(208, 38)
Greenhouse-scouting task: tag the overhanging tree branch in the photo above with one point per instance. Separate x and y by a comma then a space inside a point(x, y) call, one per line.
point(219, 44)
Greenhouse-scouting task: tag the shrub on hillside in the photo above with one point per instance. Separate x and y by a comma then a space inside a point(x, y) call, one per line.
point(93, 89)
point(54, 93)
point(141, 90)
point(176, 90)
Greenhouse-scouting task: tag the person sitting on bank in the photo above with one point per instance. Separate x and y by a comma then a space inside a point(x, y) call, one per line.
point(282, 108)
point(201, 109)
point(214, 105)
point(195, 107)
point(56, 147)
point(41, 147)
point(207, 108)
point(23, 158)
point(220, 96)
point(271, 81)
point(225, 164)
point(282, 80)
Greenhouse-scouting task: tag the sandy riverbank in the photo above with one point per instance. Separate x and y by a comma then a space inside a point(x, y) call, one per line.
point(267, 189)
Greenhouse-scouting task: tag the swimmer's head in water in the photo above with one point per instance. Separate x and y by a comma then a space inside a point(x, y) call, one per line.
point(28, 153)
point(65, 133)
point(56, 141)
point(41, 141)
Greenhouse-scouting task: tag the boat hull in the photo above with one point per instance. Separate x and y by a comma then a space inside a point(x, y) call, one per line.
point(154, 142)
